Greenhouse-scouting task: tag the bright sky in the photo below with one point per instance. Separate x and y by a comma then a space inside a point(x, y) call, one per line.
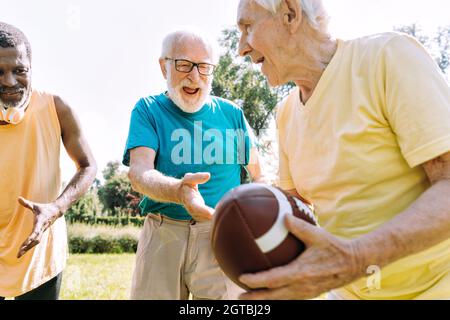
point(102, 56)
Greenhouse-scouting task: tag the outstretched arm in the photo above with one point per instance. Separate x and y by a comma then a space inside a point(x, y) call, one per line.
point(152, 183)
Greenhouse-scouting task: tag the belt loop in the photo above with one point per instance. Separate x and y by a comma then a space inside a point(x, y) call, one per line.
point(161, 219)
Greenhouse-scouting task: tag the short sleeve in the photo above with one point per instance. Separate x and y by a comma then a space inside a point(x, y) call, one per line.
point(417, 101)
point(142, 131)
point(252, 141)
point(248, 139)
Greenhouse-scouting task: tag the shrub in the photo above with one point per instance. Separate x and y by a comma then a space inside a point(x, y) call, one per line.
point(108, 220)
point(128, 244)
point(124, 221)
point(78, 244)
point(85, 238)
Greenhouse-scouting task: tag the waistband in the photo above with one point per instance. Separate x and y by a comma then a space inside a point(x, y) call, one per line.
point(161, 219)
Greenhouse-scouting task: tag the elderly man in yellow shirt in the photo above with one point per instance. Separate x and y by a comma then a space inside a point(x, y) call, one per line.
point(365, 136)
point(33, 237)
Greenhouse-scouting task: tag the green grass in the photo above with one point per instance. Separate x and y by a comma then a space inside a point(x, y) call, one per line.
point(97, 277)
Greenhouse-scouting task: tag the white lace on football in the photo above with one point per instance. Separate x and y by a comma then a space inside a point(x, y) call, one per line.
point(278, 232)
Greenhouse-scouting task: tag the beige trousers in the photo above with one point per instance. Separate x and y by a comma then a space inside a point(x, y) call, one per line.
point(174, 259)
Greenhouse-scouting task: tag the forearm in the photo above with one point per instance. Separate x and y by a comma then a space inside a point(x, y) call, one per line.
point(156, 186)
point(76, 188)
point(423, 225)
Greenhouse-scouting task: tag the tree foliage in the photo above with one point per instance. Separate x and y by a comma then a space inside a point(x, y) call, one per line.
point(116, 194)
point(438, 44)
point(87, 206)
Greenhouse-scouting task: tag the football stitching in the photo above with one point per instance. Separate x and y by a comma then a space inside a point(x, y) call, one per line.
point(218, 219)
point(307, 216)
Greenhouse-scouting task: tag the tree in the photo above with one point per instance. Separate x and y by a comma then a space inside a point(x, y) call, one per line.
point(86, 208)
point(442, 40)
point(236, 79)
point(438, 45)
point(116, 194)
point(111, 170)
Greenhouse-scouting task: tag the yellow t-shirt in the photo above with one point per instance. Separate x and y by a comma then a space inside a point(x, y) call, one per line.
point(29, 167)
point(380, 110)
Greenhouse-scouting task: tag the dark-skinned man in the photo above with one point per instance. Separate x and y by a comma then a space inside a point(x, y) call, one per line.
point(33, 236)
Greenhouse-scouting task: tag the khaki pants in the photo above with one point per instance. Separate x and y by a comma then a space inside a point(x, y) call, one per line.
point(174, 259)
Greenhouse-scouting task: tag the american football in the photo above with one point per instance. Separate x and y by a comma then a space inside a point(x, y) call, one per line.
point(249, 234)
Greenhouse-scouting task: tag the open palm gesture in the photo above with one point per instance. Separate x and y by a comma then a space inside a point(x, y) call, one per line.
point(44, 216)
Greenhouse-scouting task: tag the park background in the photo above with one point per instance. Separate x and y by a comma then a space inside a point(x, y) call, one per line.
point(102, 56)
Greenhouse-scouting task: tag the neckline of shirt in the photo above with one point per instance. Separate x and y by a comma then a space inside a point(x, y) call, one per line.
point(28, 111)
point(172, 106)
point(323, 81)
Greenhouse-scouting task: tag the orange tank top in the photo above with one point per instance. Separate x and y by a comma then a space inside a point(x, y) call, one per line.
point(29, 167)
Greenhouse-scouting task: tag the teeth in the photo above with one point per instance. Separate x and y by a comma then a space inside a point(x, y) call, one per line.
point(189, 90)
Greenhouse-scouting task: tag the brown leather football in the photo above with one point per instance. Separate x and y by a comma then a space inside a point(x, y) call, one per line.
point(249, 234)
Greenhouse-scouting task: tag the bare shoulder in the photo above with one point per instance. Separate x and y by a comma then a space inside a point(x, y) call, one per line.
point(438, 168)
point(67, 118)
point(63, 108)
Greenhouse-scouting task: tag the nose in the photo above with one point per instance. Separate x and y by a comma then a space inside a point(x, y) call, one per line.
point(244, 47)
point(194, 75)
point(8, 80)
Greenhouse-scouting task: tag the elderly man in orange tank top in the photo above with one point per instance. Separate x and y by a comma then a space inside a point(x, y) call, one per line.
point(33, 237)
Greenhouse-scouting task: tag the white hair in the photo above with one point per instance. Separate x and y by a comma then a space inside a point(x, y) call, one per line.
point(313, 9)
point(189, 33)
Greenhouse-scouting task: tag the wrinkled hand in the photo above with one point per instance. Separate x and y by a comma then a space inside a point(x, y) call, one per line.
point(44, 216)
point(328, 263)
point(191, 197)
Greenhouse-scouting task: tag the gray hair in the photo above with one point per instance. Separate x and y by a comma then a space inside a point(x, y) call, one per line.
point(12, 37)
point(175, 38)
point(313, 9)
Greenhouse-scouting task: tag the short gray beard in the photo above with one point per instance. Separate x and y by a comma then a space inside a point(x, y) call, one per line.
point(177, 98)
point(21, 104)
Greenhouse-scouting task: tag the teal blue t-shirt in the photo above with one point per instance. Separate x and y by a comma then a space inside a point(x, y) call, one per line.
point(215, 139)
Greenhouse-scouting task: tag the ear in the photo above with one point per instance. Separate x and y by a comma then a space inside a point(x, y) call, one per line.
point(162, 64)
point(292, 13)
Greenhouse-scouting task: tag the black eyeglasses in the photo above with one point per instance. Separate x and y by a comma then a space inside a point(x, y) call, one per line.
point(186, 66)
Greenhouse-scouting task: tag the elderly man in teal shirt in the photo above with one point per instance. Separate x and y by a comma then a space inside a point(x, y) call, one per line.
point(185, 150)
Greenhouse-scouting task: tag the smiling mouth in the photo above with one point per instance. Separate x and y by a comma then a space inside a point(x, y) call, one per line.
point(191, 91)
point(12, 95)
